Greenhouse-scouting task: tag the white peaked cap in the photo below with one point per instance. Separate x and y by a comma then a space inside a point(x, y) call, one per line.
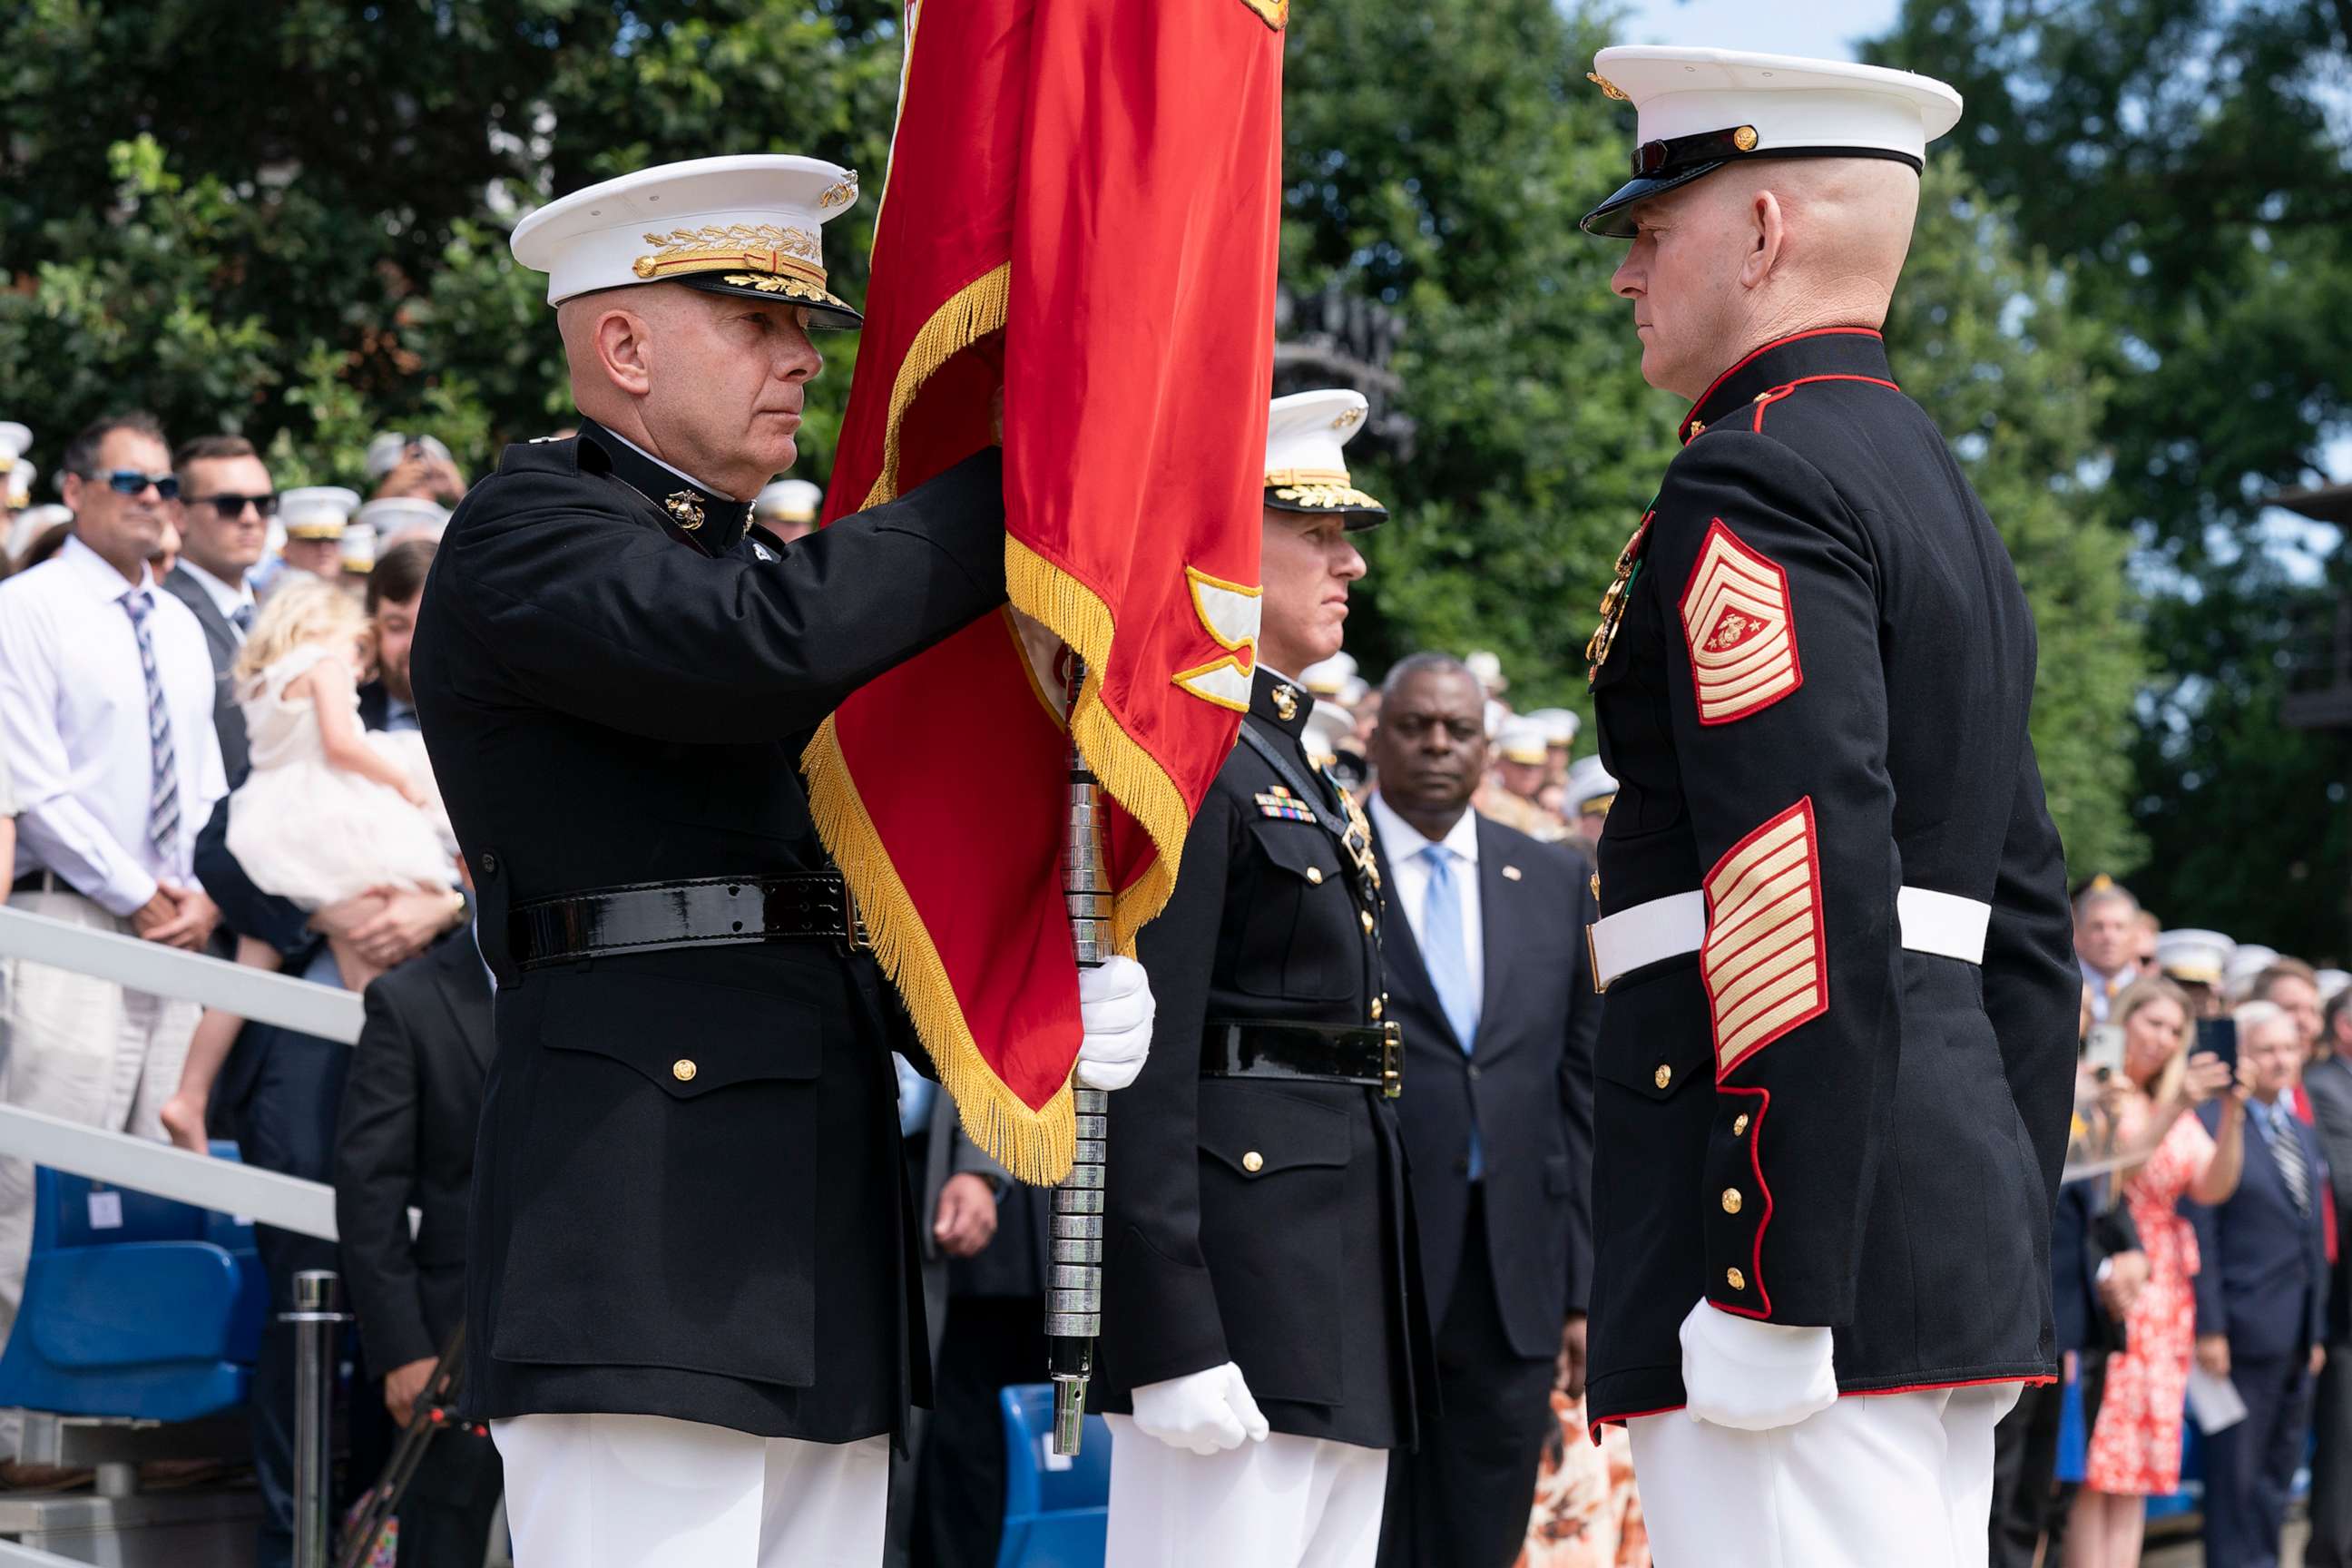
point(317, 512)
point(1329, 676)
point(1327, 727)
point(1590, 786)
point(789, 500)
point(395, 515)
point(1524, 741)
point(2200, 957)
point(1305, 470)
point(358, 548)
point(746, 224)
point(384, 453)
point(1560, 724)
point(14, 442)
point(1704, 107)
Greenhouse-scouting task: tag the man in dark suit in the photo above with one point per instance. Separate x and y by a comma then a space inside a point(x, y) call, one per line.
point(226, 500)
point(2262, 1299)
point(1489, 981)
point(412, 1102)
point(692, 1313)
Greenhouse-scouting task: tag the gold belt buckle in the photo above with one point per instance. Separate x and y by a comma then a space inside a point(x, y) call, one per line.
point(853, 924)
point(1392, 1061)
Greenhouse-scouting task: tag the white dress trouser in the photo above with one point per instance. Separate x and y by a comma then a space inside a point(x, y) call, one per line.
point(1871, 1481)
point(647, 1492)
point(1287, 1502)
point(85, 1049)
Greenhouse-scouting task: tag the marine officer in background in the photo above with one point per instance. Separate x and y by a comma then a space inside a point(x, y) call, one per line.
point(693, 1319)
point(1836, 1066)
point(1263, 1344)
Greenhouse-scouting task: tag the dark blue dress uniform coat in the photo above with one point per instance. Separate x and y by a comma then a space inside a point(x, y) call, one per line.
point(1818, 696)
point(1249, 1219)
point(689, 1197)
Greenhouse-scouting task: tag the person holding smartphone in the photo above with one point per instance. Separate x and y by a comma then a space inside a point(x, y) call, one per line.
point(2135, 1451)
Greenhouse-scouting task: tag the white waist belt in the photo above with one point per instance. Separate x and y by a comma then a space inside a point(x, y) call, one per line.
point(1944, 924)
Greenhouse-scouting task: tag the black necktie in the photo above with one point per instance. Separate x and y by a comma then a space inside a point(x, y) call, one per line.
point(242, 619)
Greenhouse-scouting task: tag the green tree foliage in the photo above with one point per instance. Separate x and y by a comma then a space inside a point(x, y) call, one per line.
point(2187, 159)
point(305, 239)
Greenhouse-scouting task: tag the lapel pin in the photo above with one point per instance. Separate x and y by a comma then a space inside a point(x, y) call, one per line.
point(1510, 873)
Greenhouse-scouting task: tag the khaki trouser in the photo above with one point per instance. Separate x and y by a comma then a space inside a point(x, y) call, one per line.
point(84, 1050)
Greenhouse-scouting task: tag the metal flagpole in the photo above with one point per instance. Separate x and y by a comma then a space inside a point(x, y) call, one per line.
point(1074, 1281)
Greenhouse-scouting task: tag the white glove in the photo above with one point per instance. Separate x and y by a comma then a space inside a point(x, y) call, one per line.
point(1205, 1412)
point(1115, 1008)
point(1752, 1375)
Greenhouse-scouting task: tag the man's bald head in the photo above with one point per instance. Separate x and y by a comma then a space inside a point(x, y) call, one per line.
point(1759, 249)
point(712, 384)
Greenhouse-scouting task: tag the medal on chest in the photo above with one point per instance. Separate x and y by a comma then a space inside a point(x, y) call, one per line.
point(1613, 601)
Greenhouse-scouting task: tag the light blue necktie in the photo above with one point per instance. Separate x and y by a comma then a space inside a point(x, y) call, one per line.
point(915, 1093)
point(1446, 956)
point(164, 772)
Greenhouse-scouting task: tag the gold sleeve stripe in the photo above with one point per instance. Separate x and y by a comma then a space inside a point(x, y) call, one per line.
point(1740, 630)
point(1764, 963)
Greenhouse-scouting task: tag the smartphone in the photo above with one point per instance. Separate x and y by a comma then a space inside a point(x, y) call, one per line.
point(2219, 1036)
point(2103, 1048)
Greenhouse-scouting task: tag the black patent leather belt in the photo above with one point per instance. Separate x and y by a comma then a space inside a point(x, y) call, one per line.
point(712, 911)
point(1371, 1054)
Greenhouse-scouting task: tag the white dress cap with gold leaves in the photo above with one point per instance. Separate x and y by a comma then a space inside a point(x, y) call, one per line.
point(745, 225)
point(1304, 468)
point(788, 500)
point(1697, 110)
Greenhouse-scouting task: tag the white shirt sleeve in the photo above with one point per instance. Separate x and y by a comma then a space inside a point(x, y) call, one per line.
point(59, 833)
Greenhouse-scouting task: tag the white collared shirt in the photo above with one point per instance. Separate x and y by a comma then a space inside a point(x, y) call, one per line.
point(73, 721)
point(673, 467)
point(1409, 873)
point(226, 599)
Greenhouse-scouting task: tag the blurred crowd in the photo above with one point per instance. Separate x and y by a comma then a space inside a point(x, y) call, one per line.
point(207, 741)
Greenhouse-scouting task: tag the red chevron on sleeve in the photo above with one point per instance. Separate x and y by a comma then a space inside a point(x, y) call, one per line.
point(1740, 628)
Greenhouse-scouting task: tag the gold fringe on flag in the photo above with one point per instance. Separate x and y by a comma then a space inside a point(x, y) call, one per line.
point(1037, 1145)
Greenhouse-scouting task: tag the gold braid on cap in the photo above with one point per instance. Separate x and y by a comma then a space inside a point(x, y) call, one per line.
point(742, 247)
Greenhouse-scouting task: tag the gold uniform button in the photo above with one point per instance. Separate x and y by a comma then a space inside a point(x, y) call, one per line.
point(1735, 1279)
point(683, 1070)
point(1367, 921)
point(1731, 1200)
point(1253, 1162)
point(1314, 875)
point(1376, 1006)
point(1664, 1076)
point(1739, 1124)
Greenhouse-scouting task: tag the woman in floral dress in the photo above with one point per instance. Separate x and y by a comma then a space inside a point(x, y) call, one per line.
point(2135, 1447)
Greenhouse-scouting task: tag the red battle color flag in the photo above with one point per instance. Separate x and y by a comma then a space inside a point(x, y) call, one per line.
point(1082, 207)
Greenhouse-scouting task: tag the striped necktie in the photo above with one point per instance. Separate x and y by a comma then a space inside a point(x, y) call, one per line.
point(164, 772)
point(2287, 1150)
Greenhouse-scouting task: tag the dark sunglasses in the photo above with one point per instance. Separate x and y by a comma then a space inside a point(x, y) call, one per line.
point(230, 506)
point(131, 482)
point(1652, 159)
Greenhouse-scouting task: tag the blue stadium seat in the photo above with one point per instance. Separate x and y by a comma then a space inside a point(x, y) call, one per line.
point(1055, 1510)
point(156, 1318)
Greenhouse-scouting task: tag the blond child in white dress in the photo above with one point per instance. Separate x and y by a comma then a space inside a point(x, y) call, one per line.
point(329, 813)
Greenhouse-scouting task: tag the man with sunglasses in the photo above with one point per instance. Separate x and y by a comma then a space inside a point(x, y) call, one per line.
point(226, 503)
point(106, 708)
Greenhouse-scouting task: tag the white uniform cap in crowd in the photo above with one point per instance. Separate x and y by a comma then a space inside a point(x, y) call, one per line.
point(1353, 690)
point(745, 225)
point(31, 523)
point(20, 482)
point(394, 516)
point(1488, 667)
point(14, 442)
point(2332, 982)
point(384, 453)
point(1305, 470)
point(1327, 727)
point(1329, 676)
point(1590, 788)
point(1524, 741)
point(2250, 960)
point(1697, 110)
point(1498, 714)
point(788, 500)
point(2197, 957)
point(1560, 725)
point(359, 549)
point(317, 512)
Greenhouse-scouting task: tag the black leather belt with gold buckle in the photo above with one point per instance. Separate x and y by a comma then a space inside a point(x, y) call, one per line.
point(649, 917)
point(1371, 1054)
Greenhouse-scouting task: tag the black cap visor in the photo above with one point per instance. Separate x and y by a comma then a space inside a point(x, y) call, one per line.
point(1613, 218)
point(826, 311)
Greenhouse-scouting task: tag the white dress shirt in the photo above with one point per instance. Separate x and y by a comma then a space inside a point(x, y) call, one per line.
point(73, 721)
point(1409, 874)
point(226, 599)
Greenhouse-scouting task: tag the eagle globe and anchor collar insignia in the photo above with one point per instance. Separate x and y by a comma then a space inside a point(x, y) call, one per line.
point(709, 521)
